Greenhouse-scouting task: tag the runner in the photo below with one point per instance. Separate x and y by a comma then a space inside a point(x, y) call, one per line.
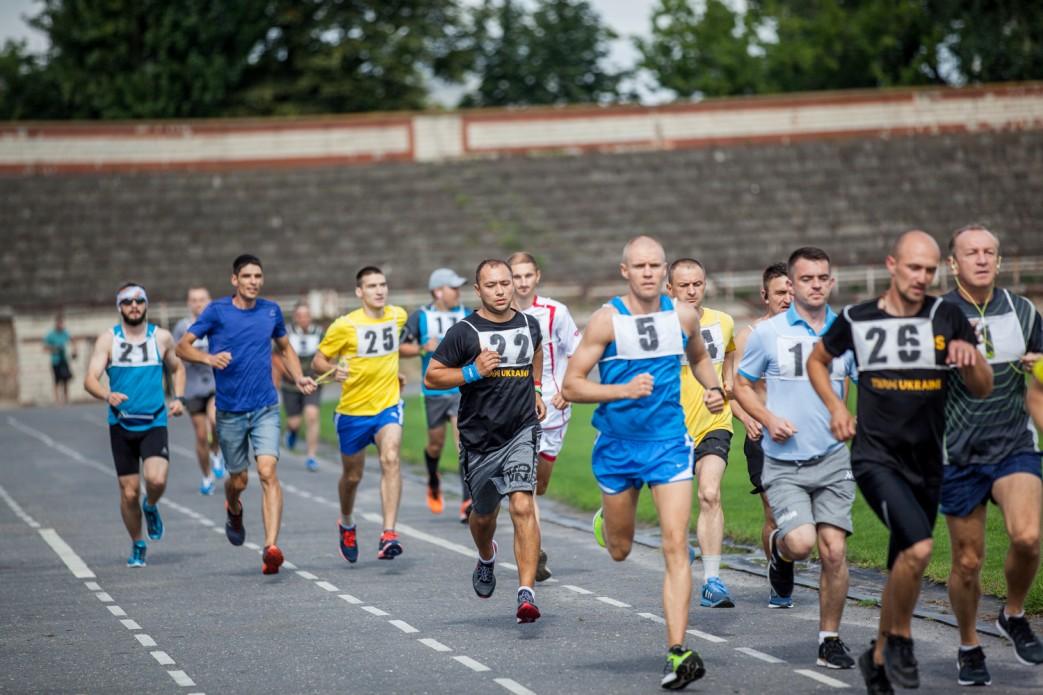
point(711, 432)
point(424, 330)
point(992, 453)
point(560, 338)
point(199, 397)
point(495, 357)
point(637, 340)
point(776, 294)
point(905, 344)
point(807, 472)
point(240, 330)
point(133, 354)
point(55, 342)
point(305, 337)
point(362, 348)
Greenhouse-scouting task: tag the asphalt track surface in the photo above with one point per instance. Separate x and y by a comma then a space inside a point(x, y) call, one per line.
point(201, 618)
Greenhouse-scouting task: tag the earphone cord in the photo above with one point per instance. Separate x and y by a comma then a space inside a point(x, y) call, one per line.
point(981, 312)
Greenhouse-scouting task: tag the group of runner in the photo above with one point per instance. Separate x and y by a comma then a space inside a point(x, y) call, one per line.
point(944, 416)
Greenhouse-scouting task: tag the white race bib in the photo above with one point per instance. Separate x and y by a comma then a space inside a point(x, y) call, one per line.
point(1000, 338)
point(439, 322)
point(377, 339)
point(305, 343)
point(713, 336)
point(513, 344)
point(791, 355)
point(647, 336)
point(894, 343)
point(127, 354)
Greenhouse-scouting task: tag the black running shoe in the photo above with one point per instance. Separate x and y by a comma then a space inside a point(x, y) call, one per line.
point(234, 531)
point(874, 676)
point(780, 572)
point(682, 667)
point(542, 571)
point(1027, 647)
point(833, 653)
point(900, 662)
point(483, 580)
point(971, 665)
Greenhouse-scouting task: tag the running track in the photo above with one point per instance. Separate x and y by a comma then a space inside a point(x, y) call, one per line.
point(201, 618)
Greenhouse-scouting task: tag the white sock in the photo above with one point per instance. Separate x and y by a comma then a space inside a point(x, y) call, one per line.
point(823, 634)
point(1011, 615)
point(968, 647)
point(490, 560)
point(711, 566)
point(208, 479)
point(529, 589)
point(346, 521)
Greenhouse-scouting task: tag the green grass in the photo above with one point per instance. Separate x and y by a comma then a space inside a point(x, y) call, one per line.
point(573, 483)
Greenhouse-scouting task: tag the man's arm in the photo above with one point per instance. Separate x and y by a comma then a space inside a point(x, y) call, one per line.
point(96, 367)
point(190, 353)
point(699, 360)
point(175, 369)
point(974, 368)
point(292, 365)
point(577, 386)
point(753, 428)
point(842, 422)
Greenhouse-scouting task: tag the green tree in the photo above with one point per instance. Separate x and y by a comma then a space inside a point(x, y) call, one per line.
point(993, 41)
point(24, 89)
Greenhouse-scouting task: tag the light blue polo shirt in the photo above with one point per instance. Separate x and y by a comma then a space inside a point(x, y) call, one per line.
point(778, 351)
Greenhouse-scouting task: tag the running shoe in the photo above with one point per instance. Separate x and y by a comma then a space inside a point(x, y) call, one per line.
point(153, 521)
point(1027, 648)
point(598, 524)
point(389, 546)
point(691, 555)
point(271, 560)
point(543, 573)
point(833, 653)
point(434, 499)
point(780, 575)
point(234, 531)
point(483, 579)
point(465, 511)
point(715, 594)
point(874, 676)
point(217, 464)
point(527, 610)
point(349, 544)
point(312, 465)
point(206, 487)
point(291, 439)
point(970, 664)
point(900, 662)
point(683, 666)
point(137, 554)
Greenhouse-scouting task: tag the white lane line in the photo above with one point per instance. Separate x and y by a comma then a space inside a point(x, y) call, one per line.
point(117, 611)
point(350, 599)
point(470, 663)
point(78, 567)
point(130, 624)
point(613, 602)
point(252, 546)
point(221, 531)
point(146, 640)
point(760, 655)
point(103, 597)
point(17, 509)
point(653, 617)
point(374, 610)
point(434, 644)
point(320, 499)
point(509, 565)
point(404, 626)
point(207, 522)
point(706, 636)
point(92, 586)
point(327, 586)
point(182, 679)
point(577, 589)
point(289, 565)
point(813, 675)
point(306, 575)
point(37, 434)
point(162, 657)
point(513, 686)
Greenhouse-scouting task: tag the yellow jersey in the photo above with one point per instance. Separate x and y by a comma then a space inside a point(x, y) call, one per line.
point(370, 347)
point(718, 331)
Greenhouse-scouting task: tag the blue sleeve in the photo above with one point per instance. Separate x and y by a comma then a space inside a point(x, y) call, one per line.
point(850, 368)
point(412, 332)
point(207, 322)
point(279, 329)
point(754, 359)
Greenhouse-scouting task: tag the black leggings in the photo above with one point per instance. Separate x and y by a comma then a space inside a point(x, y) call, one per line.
point(908, 510)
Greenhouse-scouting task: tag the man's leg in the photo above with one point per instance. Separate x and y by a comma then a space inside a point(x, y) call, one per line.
point(710, 525)
point(271, 491)
point(293, 425)
point(347, 487)
point(769, 525)
point(619, 512)
point(967, 536)
point(673, 503)
point(832, 549)
point(311, 418)
point(900, 594)
point(203, 448)
point(483, 530)
point(526, 536)
point(432, 455)
point(155, 470)
point(211, 414)
point(389, 441)
point(1019, 496)
point(130, 504)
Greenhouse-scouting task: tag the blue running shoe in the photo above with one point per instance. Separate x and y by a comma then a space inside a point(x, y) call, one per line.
point(312, 465)
point(152, 520)
point(217, 465)
point(234, 530)
point(691, 555)
point(715, 594)
point(137, 554)
point(349, 545)
point(776, 601)
point(389, 547)
point(598, 524)
point(291, 439)
point(206, 487)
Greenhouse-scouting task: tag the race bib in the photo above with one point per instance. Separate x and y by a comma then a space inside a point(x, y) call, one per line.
point(791, 355)
point(377, 339)
point(713, 336)
point(126, 354)
point(899, 343)
point(1000, 338)
point(439, 323)
point(513, 344)
point(305, 343)
point(650, 335)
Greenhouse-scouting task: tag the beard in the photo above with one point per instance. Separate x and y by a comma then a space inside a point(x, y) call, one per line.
point(136, 322)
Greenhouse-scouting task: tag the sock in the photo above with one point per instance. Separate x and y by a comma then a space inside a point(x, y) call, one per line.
point(432, 469)
point(823, 634)
point(346, 521)
point(141, 544)
point(968, 647)
point(490, 560)
point(1011, 615)
point(529, 589)
point(711, 566)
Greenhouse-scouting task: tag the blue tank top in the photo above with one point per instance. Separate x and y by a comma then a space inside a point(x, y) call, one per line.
point(136, 370)
point(653, 344)
point(435, 324)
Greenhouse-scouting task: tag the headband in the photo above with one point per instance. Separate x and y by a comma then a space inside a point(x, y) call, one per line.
point(131, 292)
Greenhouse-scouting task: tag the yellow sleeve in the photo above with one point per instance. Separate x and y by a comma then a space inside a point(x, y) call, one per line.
point(728, 323)
point(337, 338)
point(400, 317)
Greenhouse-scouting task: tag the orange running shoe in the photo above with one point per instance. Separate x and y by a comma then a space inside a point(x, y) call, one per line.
point(271, 560)
point(434, 500)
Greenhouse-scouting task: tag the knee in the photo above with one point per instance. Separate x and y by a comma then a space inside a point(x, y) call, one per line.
point(389, 461)
point(238, 481)
point(966, 563)
point(833, 554)
point(522, 506)
point(619, 551)
point(129, 493)
point(709, 499)
point(1025, 542)
point(352, 475)
point(799, 543)
point(156, 482)
point(918, 554)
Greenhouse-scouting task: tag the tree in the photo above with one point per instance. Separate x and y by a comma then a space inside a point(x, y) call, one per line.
point(993, 41)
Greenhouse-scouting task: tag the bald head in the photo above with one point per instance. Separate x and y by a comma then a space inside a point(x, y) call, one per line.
point(641, 246)
point(916, 242)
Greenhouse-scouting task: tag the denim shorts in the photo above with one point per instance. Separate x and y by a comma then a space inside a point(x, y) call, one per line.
point(238, 432)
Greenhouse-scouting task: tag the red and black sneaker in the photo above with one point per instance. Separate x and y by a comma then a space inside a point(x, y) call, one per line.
point(349, 545)
point(271, 560)
point(527, 610)
point(389, 547)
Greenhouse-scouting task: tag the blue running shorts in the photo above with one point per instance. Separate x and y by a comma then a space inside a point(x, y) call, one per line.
point(621, 464)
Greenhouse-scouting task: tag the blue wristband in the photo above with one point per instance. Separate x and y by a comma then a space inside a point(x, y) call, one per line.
point(471, 374)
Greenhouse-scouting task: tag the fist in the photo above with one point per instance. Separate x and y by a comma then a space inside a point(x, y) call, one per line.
point(961, 354)
point(306, 385)
point(340, 375)
point(842, 425)
point(713, 400)
point(558, 401)
point(220, 360)
point(541, 408)
point(487, 362)
point(640, 386)
point(176, 408)
point(115, 398)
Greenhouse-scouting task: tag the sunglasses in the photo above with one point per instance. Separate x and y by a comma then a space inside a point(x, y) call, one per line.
point(136, 300)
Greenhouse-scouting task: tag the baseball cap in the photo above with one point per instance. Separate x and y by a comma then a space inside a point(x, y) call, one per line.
point(444, 276)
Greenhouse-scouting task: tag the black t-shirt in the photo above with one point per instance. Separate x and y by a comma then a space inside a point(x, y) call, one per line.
point(494, 409)
point(903, 382)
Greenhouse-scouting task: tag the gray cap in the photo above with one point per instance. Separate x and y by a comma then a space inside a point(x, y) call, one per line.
point(444, 276)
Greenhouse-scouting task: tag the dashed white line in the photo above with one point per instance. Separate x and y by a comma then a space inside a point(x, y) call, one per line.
point(613, 602)
point(509, 565)
point(130, 624)
point(404, 626)
point(470, 663)
point(182, 679)
point(350, 599)
point(748, 651)
point(289, 565)
point(252, 546)
point(162, 657)
point(815, 676)
point(117, 611)
point(221, 530)
point(17, 509)
point(374, 610)
point(327, 586)
point(103, 597)
point(78, 567)
point(92, 586)
point(434, 644)
point(145, 640)
point(653, 617)
point(577, 589)
point(207, 522)
point(513, 686)
point(306, 575)
point(706, 636)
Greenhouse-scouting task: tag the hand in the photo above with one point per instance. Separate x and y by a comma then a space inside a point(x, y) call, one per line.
point(541, 408)
point(753, 428)
point(962, 354)
point(306, 385)
point(842, 424)
point(558, 401)
point(1029, 359)
point(713, 400)
point(115, 398)
point(487, 362)
point(430, 346)
point(340, 375)
point(401, 380)
point(176, 408)
point(639, 387)
point(220, 360)
point(780, 429)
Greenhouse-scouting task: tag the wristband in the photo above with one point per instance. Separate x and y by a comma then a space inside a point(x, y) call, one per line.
point(538, 390)
point(720, 390)
point(537, 384)
point(471, 375)
point(181, 399)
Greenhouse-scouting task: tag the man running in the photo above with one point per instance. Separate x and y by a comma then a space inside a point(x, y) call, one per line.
point(637, 341)
point(133, 354)
point(992, 453)
point(776, 294)
point(362, 347)
point(560, 340)
point(906, 343)
point(711, 432)
point(239, 331)
point(807, 472)
point(495, 357)
point(199, 397)
point(425, 329)
point(305, 337)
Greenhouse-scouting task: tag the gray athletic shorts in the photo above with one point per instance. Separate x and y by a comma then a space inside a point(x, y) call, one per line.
point(440, 409)
point(294, 401)
point(819, 491)
point(492, 474)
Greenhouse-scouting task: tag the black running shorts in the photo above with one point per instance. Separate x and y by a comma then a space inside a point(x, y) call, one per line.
point(754, 463)
point(908, 510)
point(130, 448)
